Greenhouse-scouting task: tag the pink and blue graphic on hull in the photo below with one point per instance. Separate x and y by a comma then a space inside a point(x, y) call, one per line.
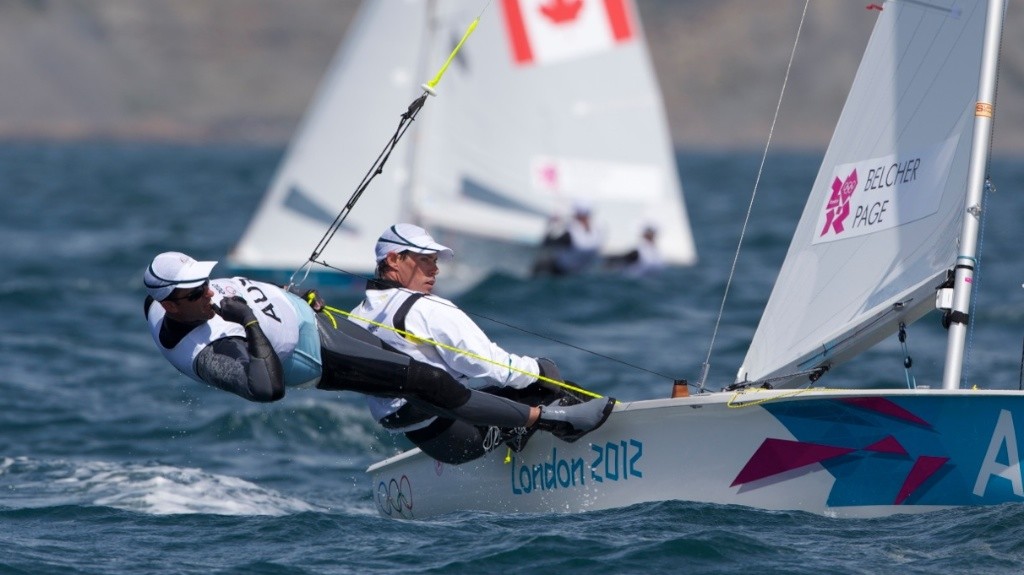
point(923, 450)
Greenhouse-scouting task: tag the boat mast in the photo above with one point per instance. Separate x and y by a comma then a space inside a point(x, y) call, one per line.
point(409, 195)
point(967, 258)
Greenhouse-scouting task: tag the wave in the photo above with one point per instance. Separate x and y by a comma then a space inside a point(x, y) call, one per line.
point(150, 488)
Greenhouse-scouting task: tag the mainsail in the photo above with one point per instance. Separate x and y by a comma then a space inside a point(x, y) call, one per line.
point(881, 226)
point(543, 106)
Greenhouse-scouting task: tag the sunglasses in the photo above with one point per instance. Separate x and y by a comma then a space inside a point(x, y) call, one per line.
point(194, 294)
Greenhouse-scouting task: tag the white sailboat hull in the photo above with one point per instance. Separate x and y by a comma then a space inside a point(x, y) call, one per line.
point(912, 139)
point(837, 453)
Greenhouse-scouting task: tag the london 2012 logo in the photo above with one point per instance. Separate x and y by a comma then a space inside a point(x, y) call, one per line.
point(838, 207)
point(881, 193)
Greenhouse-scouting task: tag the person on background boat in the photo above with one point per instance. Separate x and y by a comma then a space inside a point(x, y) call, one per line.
point(642, 261)
point(255, 340)
point(574, 248)
point(400, 309)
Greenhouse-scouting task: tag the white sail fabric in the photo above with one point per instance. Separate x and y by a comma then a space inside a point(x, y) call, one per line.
point(372, 79)
point(540, 108)
point(880, 228)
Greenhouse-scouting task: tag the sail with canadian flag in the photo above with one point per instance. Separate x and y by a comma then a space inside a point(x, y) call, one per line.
point(549, 103)
point(549, 31)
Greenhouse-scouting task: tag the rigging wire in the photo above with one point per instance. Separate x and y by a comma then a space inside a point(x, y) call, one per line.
point(377, 168)
point(976, 280)
point(746, 220)
point(1020, 382)
point(908, 362)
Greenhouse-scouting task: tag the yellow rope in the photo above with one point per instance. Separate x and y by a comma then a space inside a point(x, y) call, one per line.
point(793, 393)
point(437, 78)
point(417, 339)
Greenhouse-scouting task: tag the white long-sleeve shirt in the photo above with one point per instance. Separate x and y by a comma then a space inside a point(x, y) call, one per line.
point(583, 250)
point(436, 319)
point(648, 261)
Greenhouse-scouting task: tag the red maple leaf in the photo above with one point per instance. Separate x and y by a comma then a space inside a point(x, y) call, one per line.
point(561, 11)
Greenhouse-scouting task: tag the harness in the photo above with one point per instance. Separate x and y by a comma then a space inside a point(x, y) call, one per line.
point(403, 310)
point(408, 414)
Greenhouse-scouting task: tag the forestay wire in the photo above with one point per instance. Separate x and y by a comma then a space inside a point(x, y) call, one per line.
point(732, 271)
point(377, 168)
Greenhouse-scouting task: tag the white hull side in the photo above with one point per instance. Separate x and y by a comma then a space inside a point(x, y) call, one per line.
point(844, 454)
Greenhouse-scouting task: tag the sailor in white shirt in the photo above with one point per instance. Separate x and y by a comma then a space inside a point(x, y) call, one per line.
point(255, 340)
point(643, 261)
point(574, 247)
point(435, 331)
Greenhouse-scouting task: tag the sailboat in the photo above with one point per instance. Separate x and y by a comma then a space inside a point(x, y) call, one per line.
point(548, 102)
point(890, 228)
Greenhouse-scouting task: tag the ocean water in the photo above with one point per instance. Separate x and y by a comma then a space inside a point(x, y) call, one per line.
point(111, 462)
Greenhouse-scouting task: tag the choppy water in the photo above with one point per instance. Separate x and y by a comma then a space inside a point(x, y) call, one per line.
point(110, 462)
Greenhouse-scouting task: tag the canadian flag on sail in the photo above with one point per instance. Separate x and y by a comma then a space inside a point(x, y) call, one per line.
point(546, 31)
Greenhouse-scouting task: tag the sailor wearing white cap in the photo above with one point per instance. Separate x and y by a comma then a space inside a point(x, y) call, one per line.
point(255, 339)
point(575, 248)
point(400, 297)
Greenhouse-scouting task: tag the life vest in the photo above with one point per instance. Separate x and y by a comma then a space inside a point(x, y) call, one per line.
point(270, 304)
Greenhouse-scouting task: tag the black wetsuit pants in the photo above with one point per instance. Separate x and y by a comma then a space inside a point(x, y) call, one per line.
point(356, 360)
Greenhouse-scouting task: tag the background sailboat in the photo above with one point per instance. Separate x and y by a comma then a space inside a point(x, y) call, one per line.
point(913, 137)
point(549, 101)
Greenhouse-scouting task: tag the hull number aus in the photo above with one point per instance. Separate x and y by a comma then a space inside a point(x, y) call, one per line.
point(1002, 458)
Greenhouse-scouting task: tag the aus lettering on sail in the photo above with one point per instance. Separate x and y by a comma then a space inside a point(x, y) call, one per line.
point(877, 194)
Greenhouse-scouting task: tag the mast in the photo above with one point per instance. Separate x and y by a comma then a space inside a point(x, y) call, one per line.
point(410, 196)
point(966, 260)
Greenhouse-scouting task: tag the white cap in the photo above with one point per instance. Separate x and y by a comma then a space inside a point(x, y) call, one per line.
point(407, 237)
point(171, 270)
point(582, 207)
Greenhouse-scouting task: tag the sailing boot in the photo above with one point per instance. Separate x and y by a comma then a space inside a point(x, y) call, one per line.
point(515, 438)
point(571, 422)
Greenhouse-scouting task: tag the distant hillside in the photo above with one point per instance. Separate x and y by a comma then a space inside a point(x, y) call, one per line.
point(244, 70)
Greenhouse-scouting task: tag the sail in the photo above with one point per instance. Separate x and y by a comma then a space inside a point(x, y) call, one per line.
point(546, 103)
point(371, 80)
point(881, 225)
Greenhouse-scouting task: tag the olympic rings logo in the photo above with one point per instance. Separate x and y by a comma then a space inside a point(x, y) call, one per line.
point(492, 439)
point(395, 496)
